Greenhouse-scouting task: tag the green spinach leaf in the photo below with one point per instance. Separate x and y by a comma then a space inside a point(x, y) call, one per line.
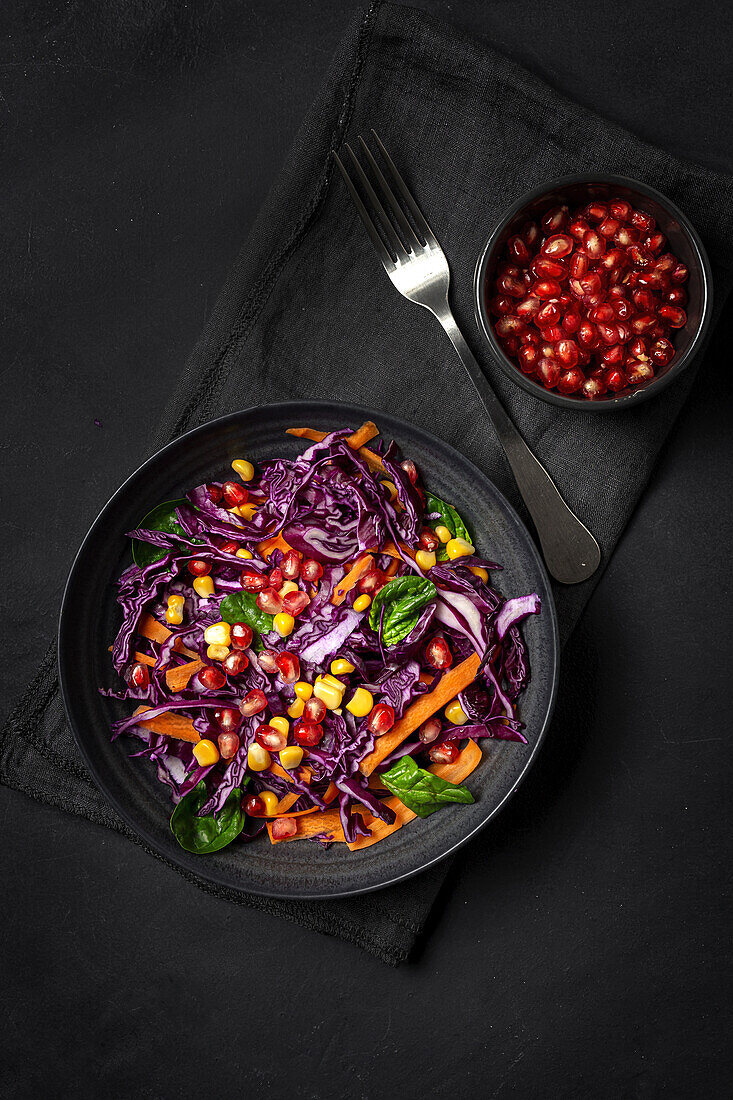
point(162, 518)
point(241, 607)
point(203, 835)
point(449, 518)
point(420, 790)
point(402, 599)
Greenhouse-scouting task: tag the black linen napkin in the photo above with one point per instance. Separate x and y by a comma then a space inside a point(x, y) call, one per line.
point(308, 312)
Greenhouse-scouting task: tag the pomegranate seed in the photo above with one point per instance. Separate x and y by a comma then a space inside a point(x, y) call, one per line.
point(616, 380)
point(677, 296)
point(252, 582)
point(501, 305)
point(680, 273)
point(594, 244)
point(640, 256)
point(642, 323)
point(307, 733)
point(596, 211)
point(528, 307)
point(235, 663)
point(593, 387)
point(511, 345)
point(430, 731)
point(549, 372)
point(314, 710)
point(553, 334)
point(655, 242)
point(214, 493)
point(555, 220)
point(295, 603)
point(509, 326)
point(638, 372)
point(588, 335)
point(530, 234)
point(661, 352)
point(429, 540)
point(548, 350)
point(547, 288)
point(381, 718)
point(512, 286)
point(651, 279)
point(508, 269)
point(620, 209)
point(605, 314)
point(557, 246)
point(627, 236)
point(255, 807)
point(591, 283)
point(608, 333)
point(623, 332)
point(638, 348)
point(437, 653)
point(410, 469)
point(613, 356)
point(241, 634)
point(198, 568)
point(614, 261)
point(622, 308)
point(609, 227)
point(529, 358)
point(211, 678)
point(269, 601)
point(644, 300)
point(290, 565)
point(548, 315)
point(445, 753)
point(592, 301)
point(372, 582)
point(269, 738)
point(579, 265)
point(275, 578)
point(284, 827)
point(578, 228)
point(567, 352)
point(228, 745)
point(288, 666)
point(518, 249)
point(616, 291)
point(311, 571)
point(234, 493)
point(570, 381)
point(268, 661)
point(673, 315)
point(139, 676)
point(641, 220)
point(229, 547)
point(571, 320)
point(228, 718)
point(532, 336)
point(253, 702)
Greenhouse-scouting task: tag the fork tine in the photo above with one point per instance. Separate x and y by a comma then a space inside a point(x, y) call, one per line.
point(409, 232)
point(403, 189)
point(393, 240)
point(364, 215)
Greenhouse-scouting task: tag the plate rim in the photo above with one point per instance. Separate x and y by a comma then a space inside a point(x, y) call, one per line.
point(63, 646)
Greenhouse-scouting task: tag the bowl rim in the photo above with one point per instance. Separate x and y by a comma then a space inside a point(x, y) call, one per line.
point(621, 401)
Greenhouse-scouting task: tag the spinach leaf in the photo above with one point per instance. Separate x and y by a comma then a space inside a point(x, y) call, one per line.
point(162, 518)
point(203, 835)
point(402, 599)
point(420, 790)
point(449, 518)
point(241, 607)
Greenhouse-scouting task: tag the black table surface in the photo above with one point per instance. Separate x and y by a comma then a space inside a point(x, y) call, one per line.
point(579, 947)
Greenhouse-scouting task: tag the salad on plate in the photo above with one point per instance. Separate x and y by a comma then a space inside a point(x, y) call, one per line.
point(314, 648)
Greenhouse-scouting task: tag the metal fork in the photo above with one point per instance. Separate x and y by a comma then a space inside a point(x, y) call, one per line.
point(417, 266)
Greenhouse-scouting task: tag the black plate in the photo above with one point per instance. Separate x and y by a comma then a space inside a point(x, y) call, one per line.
point(90, 617)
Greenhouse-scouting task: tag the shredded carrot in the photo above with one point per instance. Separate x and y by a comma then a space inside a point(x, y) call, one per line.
point(141, 658)
point(328, 822)
point(177, 678)
point(370, 457)
point(390, 549)
point(362, 435)
point(277, 542)
point(457, 679)
point(172, 725)
point(304, 774)
point(361, 566)
point(152, 629)
point(392, 568)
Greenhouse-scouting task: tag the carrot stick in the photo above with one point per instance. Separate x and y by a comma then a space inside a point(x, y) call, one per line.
point(370, 457)
point(150, 628)
point(277, 542)
point(177, 678)
point(362, 435)
point(418, 712)
point(456, 772)
point(361, 566)
point(328, 821)
point(172, 725)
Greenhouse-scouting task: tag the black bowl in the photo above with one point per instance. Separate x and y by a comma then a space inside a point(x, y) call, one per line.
point(683, 241)
point(90, 618)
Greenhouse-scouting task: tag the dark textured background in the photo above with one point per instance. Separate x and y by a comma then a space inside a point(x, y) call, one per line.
point(580, 945)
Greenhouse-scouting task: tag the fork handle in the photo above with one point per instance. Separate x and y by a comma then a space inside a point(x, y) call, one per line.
point(570, 550)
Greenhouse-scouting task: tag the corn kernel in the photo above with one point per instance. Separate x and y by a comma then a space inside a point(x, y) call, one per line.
point(443, 533)
point(270, 800)
point(480, 572)
point(296, 708)
point(174, 610)
point(327, 678)
point(341, 667)
point(291, 756)
point(455, 713)
point(360, 703)
point(203, 587)
point(288, 586)
point(244, 468)
point(246, 511)
point(361, 603)
point(279, 722)
point(284, 624)
point(391, 489)
point(247, 554)
point(329, 694)
point(206, 752)
point(458, 548)
point(217, 652)
point(218, 634)
point(303, 689)
point(425, 559)
point(258, 758)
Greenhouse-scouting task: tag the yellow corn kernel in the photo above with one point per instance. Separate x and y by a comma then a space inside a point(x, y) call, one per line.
point(284, 624)
point(244, 468)
point(391, 489)
point(328, 693)
point(217, 652)
point(247, 554)
point(480, 572)
point(455, 713)
point(246, 511)
point(203, 587)
point(360, 703)
point(443, 533)
point(361, 603)
point(296, 708)
point(333, 680)
point(258, 758)
point(206, 752)
point(303, 689)
point(291, 756)
point(288, 586)
point(341, 667)
point(218, 634)
point(271, 800)
point(280, 722)
point(174, 610)
point(425, 559)
point(458, 548)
